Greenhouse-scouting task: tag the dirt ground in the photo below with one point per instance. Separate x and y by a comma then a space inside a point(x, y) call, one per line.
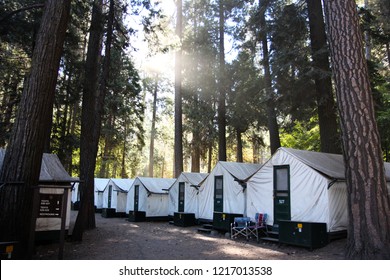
point(119, 239)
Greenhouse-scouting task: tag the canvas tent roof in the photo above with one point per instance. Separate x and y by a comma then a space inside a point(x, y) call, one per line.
point(101, 184)
point(51, 168)
point(240, 171)
point(331, 165)
point(156, 185)
point(193, 178)
point(124, 185)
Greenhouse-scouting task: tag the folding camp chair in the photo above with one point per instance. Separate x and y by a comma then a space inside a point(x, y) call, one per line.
point(260, 226)
point(240, 227)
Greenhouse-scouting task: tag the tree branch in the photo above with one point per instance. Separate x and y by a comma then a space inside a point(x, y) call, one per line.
point(9, 15)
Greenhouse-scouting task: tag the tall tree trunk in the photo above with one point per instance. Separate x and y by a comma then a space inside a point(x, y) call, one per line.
point(8, 107)
point(272, 123)
point(240, 157)
point(22, 161)
point(72, 129)
point(105, 157)
point(210, 157)
point(368, 199)
point(222, 93)
point(388, 52)
point(367, 37)
point(153, 129)
point(255, 148)
point(195, 153)
point(329, 135)
point(178, 149)
point(124, 149)
point(90, 122)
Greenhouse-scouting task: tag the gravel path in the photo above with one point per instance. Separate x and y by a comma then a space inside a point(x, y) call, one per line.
point(119, 239)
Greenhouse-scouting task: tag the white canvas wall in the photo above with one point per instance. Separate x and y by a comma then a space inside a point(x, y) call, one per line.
point(234, 198)
point(191, 197)
point(75, 193)
point(191, 201)
point(130, 198)
point(156, 205)
point(100, 186)
point(153, 196)
point(114, 196)
point(338, 207)
point(311, 200)
point(121, 187)
point(121, 202)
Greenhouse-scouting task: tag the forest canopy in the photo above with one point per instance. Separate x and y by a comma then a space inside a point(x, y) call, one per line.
point(261, 82)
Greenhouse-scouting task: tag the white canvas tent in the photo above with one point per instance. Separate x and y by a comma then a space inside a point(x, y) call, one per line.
point(301, 186)
point(100, 186)
point(52, 173)
point(149, 195)
point(189, 201)
point(115, 194)
point(228, 178)
point(75, 193)
point(122, 188)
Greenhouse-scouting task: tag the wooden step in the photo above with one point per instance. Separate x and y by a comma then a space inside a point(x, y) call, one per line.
point(204, 230)
point(207, 226)
point(273, 234)
point(272, 239)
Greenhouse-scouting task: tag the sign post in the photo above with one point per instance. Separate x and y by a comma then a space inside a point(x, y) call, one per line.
point(47, 205)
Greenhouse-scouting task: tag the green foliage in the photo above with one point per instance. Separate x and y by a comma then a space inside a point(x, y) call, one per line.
point(303, 135)
point(14, 66)
point(244, 104)
point(17, 30)
point(383, 116)
point(124, 129)
point(19, 23)
point(122, 132)
point(377, 40)
point(290, 62)
point(200, 72)
point(65, 134)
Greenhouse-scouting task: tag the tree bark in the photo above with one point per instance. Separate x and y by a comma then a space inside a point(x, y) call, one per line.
point(222, 93)
point(7, 107)
point(105, 157)
point(209, 157)
point(90, 122)
point(329, 135)
point(272, 123)
point(240, 157)
point(195, 153)
point(368, 199)
point(22, 161)
point(153, 129)
point(124, 151)
point(178, 149)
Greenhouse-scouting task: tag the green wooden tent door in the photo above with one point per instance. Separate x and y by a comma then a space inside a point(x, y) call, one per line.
point(218, 194)
point(181, 197)
point(282, 207)
point(109, 196)
point(136, 197)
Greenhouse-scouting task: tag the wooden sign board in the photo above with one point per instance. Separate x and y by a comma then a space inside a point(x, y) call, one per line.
point(50, 205)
